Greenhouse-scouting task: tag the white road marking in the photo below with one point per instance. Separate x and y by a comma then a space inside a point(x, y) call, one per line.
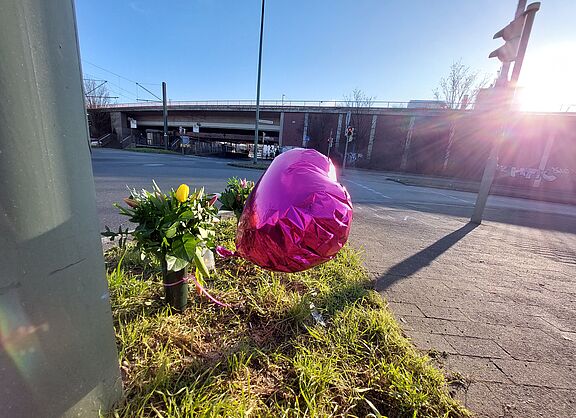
point(368, 188)
point(451, 197)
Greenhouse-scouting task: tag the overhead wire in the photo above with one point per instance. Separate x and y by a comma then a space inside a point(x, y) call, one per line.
point(138, 84)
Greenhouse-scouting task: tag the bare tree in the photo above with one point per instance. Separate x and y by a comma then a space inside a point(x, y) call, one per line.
point(461, 81)
point(97, 94)
point(359, 104)
point(97, 97)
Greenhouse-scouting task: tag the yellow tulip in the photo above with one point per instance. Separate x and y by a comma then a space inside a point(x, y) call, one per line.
point(182, 192)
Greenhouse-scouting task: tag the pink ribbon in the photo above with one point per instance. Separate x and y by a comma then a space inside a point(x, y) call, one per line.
point(224, 252)
point(191, 278)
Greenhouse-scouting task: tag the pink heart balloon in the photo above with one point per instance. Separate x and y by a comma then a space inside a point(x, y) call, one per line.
point(297, 216)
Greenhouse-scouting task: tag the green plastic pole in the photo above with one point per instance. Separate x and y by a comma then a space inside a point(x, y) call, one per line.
point(57, 347)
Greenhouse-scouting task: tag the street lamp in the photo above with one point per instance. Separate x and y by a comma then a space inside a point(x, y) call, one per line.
point(258, 85)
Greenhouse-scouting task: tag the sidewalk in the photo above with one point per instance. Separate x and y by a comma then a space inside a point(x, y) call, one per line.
point(473, 186)
point(495, 305)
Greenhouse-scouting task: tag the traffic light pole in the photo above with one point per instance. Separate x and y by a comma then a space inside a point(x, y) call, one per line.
point(503, 102)
point(505, 70)
point(505, 92)
point(57, 350)
point(530, 15)
point(345, 153)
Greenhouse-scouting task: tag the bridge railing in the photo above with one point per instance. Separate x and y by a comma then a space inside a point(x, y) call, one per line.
point(263, 103)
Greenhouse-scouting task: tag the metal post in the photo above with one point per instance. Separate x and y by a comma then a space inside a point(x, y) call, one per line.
point(57, 348)
point(530, 14)
point(345, 153)
point(330, 143)
point(258, 85)
point(503, 78)
point(505, 91)
point(165, 115)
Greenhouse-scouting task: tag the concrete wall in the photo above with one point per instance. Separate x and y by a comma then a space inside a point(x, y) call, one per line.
point(540, 149)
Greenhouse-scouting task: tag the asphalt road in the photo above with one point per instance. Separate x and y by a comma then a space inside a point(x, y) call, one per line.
point(114, 170)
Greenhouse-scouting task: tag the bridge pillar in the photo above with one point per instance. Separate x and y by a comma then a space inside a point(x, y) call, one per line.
point(119, 125)
point(281, 134)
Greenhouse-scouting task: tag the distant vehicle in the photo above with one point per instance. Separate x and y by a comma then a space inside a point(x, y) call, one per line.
point(427, 104)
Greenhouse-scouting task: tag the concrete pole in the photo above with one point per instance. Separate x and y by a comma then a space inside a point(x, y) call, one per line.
point(57, 348)
point(258, 85)
point(165, 115)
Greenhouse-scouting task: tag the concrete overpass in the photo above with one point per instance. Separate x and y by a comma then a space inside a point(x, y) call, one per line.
point(234, 121)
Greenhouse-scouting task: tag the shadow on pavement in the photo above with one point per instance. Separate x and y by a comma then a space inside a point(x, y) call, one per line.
point(561, 222)
point(422, 258)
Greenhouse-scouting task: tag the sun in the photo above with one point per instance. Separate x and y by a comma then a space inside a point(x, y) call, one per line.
point(548, 79)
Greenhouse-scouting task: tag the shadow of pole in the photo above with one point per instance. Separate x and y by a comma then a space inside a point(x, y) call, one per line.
point(422, 258)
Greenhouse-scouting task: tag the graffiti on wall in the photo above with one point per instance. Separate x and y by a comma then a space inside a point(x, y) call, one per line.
point(548, 174)
point(353, 157)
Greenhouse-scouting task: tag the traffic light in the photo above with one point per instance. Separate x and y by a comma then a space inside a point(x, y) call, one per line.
point(511, 34)
point(350, 133)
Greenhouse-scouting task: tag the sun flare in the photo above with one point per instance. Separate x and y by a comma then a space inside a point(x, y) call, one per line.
point(548, 81)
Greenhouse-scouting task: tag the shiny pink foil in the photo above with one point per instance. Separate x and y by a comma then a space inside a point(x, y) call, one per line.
point(297, 216)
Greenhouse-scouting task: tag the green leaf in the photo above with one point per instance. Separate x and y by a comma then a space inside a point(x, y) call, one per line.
point(199, 261)
point(178, 249)
point(187, 215)
point(175, 263)
point(171, 232)
point(190, 245)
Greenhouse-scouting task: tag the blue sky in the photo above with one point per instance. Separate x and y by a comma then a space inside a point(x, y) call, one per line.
point(316, 49)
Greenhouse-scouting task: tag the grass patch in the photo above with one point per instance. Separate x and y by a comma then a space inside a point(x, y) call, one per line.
point(268, 356)
point(152, 150)
point(257, 166)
